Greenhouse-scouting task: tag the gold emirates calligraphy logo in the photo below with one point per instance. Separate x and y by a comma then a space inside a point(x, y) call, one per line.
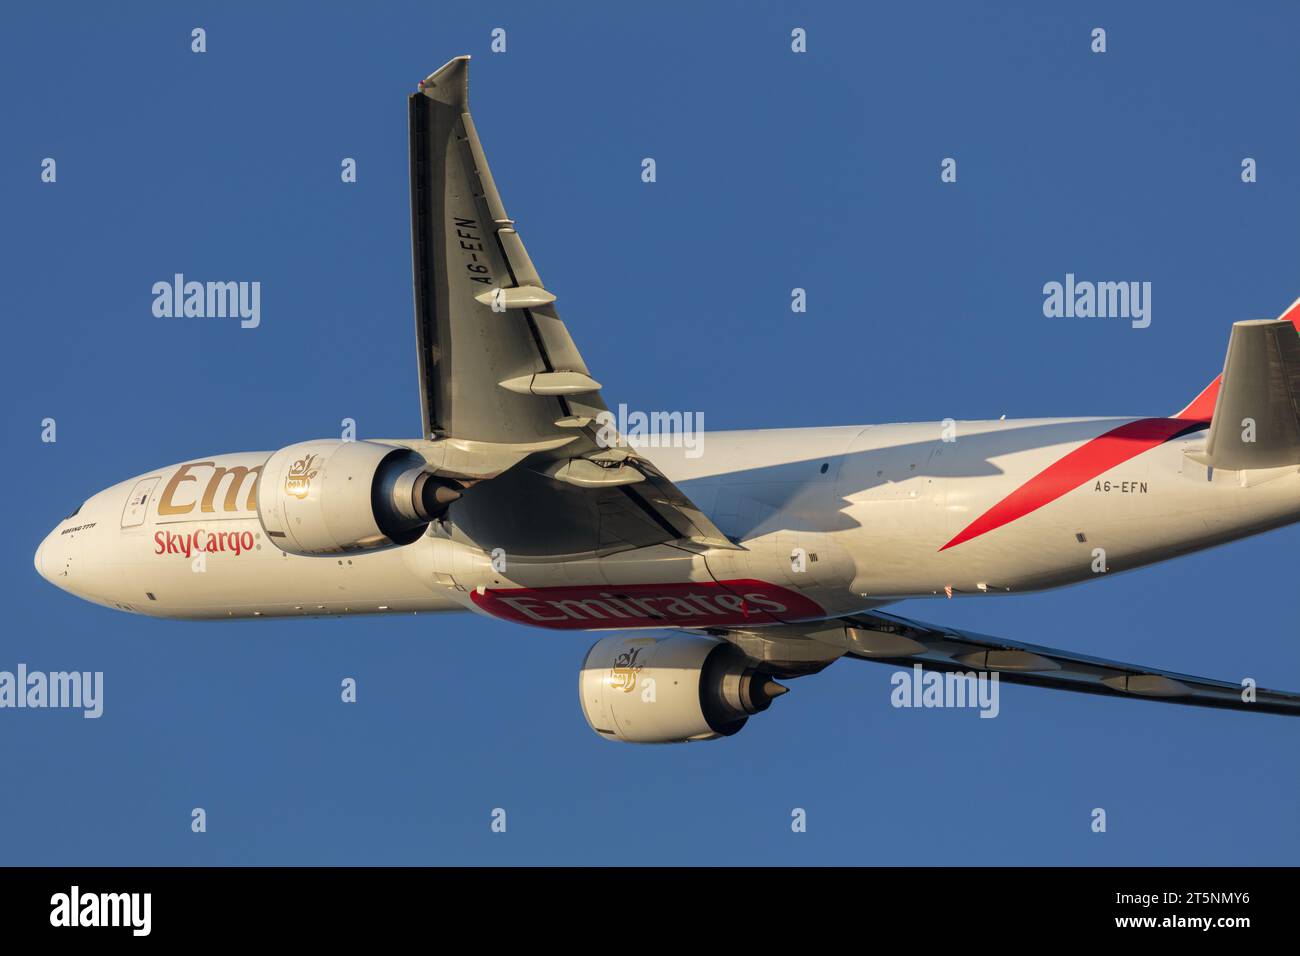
point(301, 472)
point(623, 674)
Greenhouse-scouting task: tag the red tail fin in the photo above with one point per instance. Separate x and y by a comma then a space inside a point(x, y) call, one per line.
point(1201, 408)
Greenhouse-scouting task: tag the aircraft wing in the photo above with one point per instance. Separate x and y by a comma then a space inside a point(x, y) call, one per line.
point(1256, 421)
point(501, 380)
point(900, 642)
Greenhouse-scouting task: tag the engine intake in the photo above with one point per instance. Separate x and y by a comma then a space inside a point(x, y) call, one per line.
point(671, 689)
point(331, 496)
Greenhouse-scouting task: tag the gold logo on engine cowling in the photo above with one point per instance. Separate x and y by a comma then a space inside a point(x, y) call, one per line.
point(622, 675)
point(301, 472)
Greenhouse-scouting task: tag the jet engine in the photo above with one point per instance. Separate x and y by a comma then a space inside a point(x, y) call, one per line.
point(331, 496)
point(656, 690)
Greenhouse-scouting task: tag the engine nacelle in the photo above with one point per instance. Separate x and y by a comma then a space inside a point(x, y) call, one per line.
point(658, 690)
point(331, 496)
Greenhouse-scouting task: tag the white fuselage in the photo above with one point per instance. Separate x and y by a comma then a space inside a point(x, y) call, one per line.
point(829, 521)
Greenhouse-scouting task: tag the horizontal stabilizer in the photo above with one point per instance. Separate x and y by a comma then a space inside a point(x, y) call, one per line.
point(1256, 421)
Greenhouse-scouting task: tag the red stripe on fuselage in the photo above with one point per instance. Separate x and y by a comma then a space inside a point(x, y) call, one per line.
point(1202, 406)
point(1083, 464)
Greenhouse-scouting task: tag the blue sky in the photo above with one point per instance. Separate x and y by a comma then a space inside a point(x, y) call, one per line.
point(775, 170)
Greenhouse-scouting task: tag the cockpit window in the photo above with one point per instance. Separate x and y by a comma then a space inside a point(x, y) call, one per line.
point(74, 514)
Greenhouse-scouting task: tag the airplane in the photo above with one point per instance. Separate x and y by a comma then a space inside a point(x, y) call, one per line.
point(720, 566)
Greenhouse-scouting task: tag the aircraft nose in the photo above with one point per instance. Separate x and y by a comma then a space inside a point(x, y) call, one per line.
point(40, 558)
